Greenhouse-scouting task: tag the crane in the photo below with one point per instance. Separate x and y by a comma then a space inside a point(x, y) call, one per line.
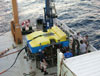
point(15, 26)
point(49, 14)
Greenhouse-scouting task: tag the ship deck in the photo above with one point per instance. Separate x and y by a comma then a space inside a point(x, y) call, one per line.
point(21, 66)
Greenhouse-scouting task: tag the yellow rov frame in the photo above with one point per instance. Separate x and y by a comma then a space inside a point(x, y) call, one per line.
point(39, 40)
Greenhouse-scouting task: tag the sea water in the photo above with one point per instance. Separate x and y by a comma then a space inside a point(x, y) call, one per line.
point(81, 15)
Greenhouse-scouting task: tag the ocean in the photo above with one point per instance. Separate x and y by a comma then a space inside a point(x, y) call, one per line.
point(81, 15)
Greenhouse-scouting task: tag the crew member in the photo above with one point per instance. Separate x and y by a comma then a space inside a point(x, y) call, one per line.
point(83, 47)
point(86, 40)
point(75, 44)
point(43, 63)
point(77, 36)
point(68, 54)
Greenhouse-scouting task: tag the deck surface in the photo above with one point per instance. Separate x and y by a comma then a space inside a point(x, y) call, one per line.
point(21, 66)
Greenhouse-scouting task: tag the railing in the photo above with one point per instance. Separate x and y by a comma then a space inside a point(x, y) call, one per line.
point(71, 32)
point(62, 69)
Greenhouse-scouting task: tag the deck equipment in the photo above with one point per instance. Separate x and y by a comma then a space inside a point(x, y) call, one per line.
point(15, 27)
point(40, 40)
point(49, 14)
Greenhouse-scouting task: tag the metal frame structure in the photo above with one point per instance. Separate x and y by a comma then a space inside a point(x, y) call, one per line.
point(48, 14)
point(48, 19)
point(15, 27)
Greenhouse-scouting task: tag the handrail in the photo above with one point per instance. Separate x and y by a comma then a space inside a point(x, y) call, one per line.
point(71, 32)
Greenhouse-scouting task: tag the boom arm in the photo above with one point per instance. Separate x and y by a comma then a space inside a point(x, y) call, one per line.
point(48, 14)
point(15, 27)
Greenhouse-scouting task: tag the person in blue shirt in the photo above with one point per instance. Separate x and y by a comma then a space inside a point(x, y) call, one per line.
point(68, 54)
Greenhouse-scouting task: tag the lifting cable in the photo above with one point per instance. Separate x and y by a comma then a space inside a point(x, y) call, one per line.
point(14, 61)
point(9, 54)
point(47, 34)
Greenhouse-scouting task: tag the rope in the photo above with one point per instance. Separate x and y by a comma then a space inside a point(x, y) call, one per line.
point(14, 61)
point(3, 52)
point(9, 54)
point(8, 49)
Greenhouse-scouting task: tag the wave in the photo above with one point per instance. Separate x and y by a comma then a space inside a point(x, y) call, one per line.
point(81, 15)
